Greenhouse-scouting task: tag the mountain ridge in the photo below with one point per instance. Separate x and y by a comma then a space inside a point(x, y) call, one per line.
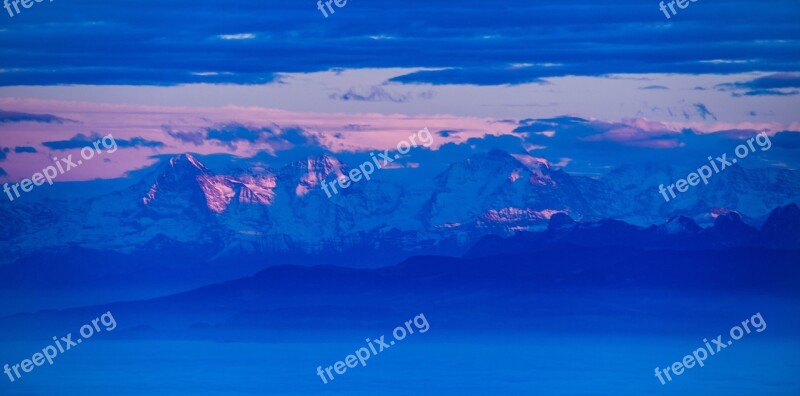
point(257, 208)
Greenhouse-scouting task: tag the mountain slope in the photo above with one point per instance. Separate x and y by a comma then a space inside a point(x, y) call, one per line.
point(254, 209)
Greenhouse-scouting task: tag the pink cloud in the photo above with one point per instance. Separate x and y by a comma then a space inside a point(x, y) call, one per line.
point(333, 131)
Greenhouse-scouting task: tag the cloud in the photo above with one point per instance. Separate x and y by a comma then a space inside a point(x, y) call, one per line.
point(232, 134)
point(637, 132)
point(772, 81)
point(136, 142)
point(768, 92)
point(776, 84)
point(703, 111)
point(239, 36)
point(374, 94)
point(477, 76)
point(356, 127)
point(654, 87)
point(725, 61)
point(448, 132)
point(594, 145)
point(80, 141)
point(252, 41)
point(24, 149)
point(197, 137)
point(15, 116)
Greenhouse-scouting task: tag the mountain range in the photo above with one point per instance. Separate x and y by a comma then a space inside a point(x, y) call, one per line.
point(249, 208)
point(781, 230)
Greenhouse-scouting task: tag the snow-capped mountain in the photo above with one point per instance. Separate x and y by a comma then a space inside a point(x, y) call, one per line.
point(496, 191)
point(631, 193)
point(255, 209)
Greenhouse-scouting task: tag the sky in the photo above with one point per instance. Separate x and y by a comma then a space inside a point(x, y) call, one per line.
point(610, 83)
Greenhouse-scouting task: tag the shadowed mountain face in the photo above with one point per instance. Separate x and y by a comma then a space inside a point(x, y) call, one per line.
point(585, 271)
point(679, 233)
point(251, 208)
point(782, 227)
point(560, 289)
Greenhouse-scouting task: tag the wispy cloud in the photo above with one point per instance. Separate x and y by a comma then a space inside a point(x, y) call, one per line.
point(654, 87)
point(776, 84)
point(232, 134)
point(80, 141)
point(24, 149)
point(378, 94)
point(15, 116)
point(703, 111)
point(238, 36)
point(769, 92)
point(725, 61)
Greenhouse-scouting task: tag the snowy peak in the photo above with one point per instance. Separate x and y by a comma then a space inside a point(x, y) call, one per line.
point(257, 190)
point(510, 220)
point(181, 169)
point(491, 161)
point(186, 181)
point(186, 162)
point(499, 165)
point(308, 174)
point(539, 169)
point(517, 192)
